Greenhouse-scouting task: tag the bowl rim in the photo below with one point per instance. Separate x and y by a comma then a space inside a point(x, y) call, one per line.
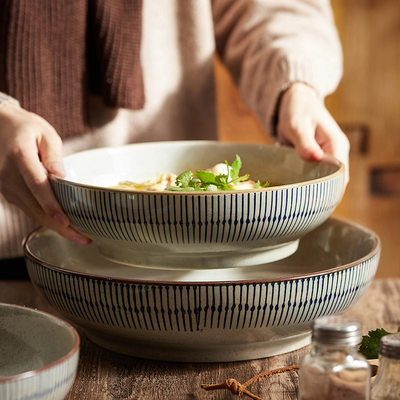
point(327, 159)
point(60, 360)
point(327, 271)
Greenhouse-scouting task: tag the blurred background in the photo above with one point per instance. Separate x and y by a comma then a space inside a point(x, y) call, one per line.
point(367, 107)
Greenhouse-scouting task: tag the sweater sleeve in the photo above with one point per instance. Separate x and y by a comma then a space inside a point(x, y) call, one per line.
point(267, 45)
point(5, 98)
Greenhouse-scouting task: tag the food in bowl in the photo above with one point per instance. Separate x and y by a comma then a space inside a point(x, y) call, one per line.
point(221, 176)
point(197, 229)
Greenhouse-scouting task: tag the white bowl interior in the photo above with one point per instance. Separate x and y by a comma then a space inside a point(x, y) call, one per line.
point(30, 340)
point(137, 162)
point(334, 244)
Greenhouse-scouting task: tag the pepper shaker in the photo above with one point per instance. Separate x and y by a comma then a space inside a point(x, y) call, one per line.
point(334, 369)
point(387, 383)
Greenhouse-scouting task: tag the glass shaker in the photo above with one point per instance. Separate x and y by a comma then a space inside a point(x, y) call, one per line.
point(334, 369)
point(387, 383)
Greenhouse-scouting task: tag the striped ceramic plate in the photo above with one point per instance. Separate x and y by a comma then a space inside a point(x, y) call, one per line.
point(208, 315)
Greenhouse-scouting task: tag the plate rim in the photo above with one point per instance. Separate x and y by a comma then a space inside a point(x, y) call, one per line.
point(328, 159)
point(371, 254)
point(54, 318)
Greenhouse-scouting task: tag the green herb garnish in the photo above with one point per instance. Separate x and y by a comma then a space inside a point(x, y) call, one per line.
point(207, 181)
point(369, 346)
point(261, 185)
point(184, 179)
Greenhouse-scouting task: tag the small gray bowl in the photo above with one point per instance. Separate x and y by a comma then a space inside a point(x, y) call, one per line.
point(38, 354)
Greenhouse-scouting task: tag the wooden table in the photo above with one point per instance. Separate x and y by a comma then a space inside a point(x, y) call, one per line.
point(106, 375)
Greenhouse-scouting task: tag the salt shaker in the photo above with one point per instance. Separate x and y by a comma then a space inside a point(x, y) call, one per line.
point(334, 369)
point(387, 383)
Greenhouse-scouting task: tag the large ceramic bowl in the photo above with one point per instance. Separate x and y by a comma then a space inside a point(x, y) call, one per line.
point(209, 315)
point(197, 229)
point(38, 354)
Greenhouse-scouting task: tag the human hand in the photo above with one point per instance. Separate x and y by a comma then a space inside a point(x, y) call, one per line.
point(30, 149)
point(305, 123)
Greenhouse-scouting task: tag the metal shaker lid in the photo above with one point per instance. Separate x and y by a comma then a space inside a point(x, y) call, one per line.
point(390, 346)
point(336, 331)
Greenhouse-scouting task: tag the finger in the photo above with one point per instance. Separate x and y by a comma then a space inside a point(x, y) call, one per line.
point(35, 178)
point(333, 140)
point(301, 134)
point(282, 140)
point(14, 183)
point(19, 195)
point(50, 150)
point(34, 212)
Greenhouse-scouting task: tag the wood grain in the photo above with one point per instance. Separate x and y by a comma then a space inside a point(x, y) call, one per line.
point(368, 97)
point(370, 89)
point(103, 375)
point(380, 213)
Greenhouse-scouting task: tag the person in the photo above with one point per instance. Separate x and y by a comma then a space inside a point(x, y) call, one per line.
point(105, 73)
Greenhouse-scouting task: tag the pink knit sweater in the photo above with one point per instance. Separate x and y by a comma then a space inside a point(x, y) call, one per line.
point(266, 45)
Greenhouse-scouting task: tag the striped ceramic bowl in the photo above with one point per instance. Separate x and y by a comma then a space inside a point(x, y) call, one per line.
point(197, 229)
point(38, 354)
point(212, 315)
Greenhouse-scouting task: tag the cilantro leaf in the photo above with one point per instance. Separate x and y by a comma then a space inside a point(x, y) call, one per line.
point(261, 185)
point(222, 179)
point(235, 168)
point(211, 188)
point(206, 177)
point(180, 189)
point(183, 179)
point(195, 182)
point(207, 181)
point(240, 179)
point(369, 346)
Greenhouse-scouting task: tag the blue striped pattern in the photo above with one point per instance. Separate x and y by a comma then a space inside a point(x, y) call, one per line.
point(172, 218)
point(179, 307)
point(50, 384)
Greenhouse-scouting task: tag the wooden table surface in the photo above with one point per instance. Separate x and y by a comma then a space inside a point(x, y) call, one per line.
point(106, 375)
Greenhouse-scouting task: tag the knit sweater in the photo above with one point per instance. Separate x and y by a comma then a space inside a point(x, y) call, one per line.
point(266, 45)
point(54, 53)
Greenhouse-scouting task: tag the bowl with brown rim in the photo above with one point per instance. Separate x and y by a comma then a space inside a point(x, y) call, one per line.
point(197, 229)
point(222, 314)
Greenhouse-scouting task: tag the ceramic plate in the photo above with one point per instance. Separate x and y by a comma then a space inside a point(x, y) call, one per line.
point(207, 315)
